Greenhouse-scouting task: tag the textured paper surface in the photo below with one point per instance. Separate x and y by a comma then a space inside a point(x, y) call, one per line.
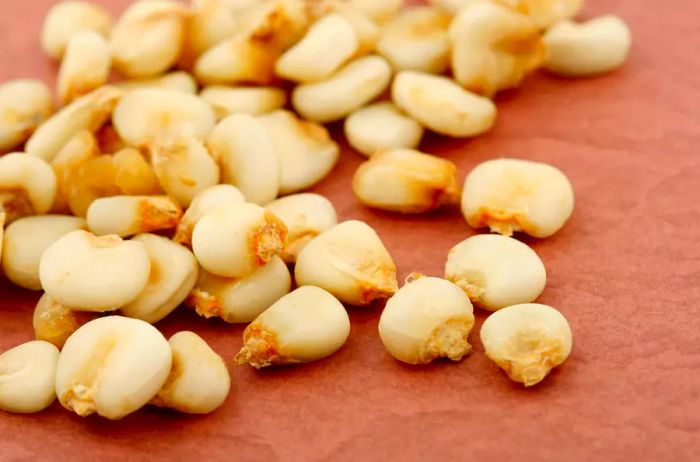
point(625, 271)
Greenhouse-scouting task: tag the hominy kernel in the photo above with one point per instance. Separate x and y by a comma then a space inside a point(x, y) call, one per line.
point(27, 374)
point(306, 325)
point(349, 261)
point(427, 318)
point(496, 271)
point(527, 341)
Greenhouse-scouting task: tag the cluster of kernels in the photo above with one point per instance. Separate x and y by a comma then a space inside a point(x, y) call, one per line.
point(240, 299)
point(406, 181)
point(24, 105)
point(128, 215)
point(306, 325)
point(248, 157)
point(441, 105)
point(159, 136)
point(203, 203)
point(27, 186)
point(198, 382)
point(494, 48)
point(496, 271)
point(26, 240)
point(27, 377)
point(349, 261)
point(510, 195)
point(428, 318)
point(90, 273)
point(227, 101)
point(594, 47)
point(417, 40)
point(235, 240)
point(305, 150)
point(173, 274)
point(527, 341)
point(354, 85)
point(112, 366)
point(305, 215)
point(380, 127)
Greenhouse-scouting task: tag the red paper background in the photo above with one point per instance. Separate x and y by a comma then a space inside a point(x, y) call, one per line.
point(624, 271)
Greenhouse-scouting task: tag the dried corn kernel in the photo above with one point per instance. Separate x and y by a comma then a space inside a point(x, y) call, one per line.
point(27, 374)
point(441, 105)
point(366, 30)
point(153, 115)
point(246, 153)
point(494, 48)
point(184, 168)
point(27, 186)
point(133, 175)
point(85, 66)
point(406, 181)
point(380, 127)
point(66, 19)
point(235, 240)
point(416, 39)
point(594, 47)
point(510, 195)
point(306, 215)
point(243, 299)
point(79, 149)
point(174, 272)
point(199, 381)
point(428, 318)
point(88, 112)
point(351, 262)
point(90, 273)
point(527, 341)
point(306, 325)
point(147, 39)
point(305, 150)
point(129, 215)
point(24, 105)
point(92, 179)
point(354, 85)
point(329, 43)
point(54, 323)
point(26, 240)
point(496, 271)
point(203, 203)
point(112, 366)
point(227, 101)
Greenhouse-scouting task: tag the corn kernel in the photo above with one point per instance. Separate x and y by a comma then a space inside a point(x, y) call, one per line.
point(306, 325)
point(527, 341)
